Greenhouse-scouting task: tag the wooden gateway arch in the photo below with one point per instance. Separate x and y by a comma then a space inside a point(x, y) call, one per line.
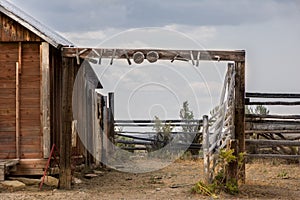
point(73, 57)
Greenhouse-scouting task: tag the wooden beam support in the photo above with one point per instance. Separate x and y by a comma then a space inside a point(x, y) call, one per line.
point(184, 55)
point(69, 70)
point(45, 98)
point(239, 115)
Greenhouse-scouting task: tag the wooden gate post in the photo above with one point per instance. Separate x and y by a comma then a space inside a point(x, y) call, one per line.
point(206, 162)
point(239, 113)
point(69, 70)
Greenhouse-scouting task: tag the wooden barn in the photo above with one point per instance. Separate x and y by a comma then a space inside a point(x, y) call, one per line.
point(30, 91)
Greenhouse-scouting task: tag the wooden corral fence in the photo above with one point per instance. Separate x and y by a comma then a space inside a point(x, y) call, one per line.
point(148, 138)
point(95, 55)
point(218, 129)
point(280, 133)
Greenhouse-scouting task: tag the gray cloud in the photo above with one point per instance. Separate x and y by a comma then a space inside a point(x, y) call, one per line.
point(89, 15)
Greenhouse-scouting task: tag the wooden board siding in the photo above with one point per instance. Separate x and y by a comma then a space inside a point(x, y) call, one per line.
point(30, 146)
point(30, 125)
point(11, 31)
point(8, 59)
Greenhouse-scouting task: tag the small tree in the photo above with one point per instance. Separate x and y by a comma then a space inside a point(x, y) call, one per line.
point(259, 109)
point(190, 127)
point(163, 134)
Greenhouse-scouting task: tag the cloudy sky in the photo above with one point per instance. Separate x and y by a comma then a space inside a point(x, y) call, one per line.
point(268, 30)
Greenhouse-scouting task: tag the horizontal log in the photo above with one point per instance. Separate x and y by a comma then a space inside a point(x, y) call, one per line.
point(273, 131)
point(135, 137)
point(272, 95)
point(162, 121)
point(184, 55)
point(152, 124)
point(273, 142)
point(152, 132)
point(133, 142)
point(251, 116)
point(272, 126)
point(273, 103)
point(134, 148)
point(273, 156)
point(274, 121)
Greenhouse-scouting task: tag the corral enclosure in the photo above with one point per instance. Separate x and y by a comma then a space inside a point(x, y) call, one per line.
point(38, 69)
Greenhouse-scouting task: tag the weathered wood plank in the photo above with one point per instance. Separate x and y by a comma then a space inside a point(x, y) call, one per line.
point(272, 126)
point(273, 156)
point(273, 142)
point(136, 121)
point(11, 30)
point(278, 103)
point(45, 98)
point(239, 111)
point(69, 70)
point(30, 167)
point(272, 95)
point(238, 55)
point(292, 131)
point(256, 116)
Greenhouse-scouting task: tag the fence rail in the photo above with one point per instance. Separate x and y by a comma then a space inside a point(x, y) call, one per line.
point(127, 129)
point(281, 132)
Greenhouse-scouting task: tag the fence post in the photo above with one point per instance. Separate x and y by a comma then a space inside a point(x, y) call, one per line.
point(111, 131)
point(206, 160)
point(105, 130)
point(239, 112)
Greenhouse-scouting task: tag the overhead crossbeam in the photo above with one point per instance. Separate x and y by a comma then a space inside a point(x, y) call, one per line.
point(164, 54)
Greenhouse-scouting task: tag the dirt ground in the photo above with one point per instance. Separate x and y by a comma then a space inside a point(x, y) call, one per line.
point(266, 179)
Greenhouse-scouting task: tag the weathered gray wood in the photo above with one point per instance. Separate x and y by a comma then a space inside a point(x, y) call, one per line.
point(273, 131)
point(206, 158)
point(273, 156)
point(272, 95)
point(162, 121)
point(239, 113)
point(273, 142)
point(272, 126)
point(184, 55)
point(96, 129)
point(251, 116)
point(105, 130)
point(151, 124)
point(233, 167)
point(283, 122)
point(69, 70)
point(45, 98)
point(277, 103)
